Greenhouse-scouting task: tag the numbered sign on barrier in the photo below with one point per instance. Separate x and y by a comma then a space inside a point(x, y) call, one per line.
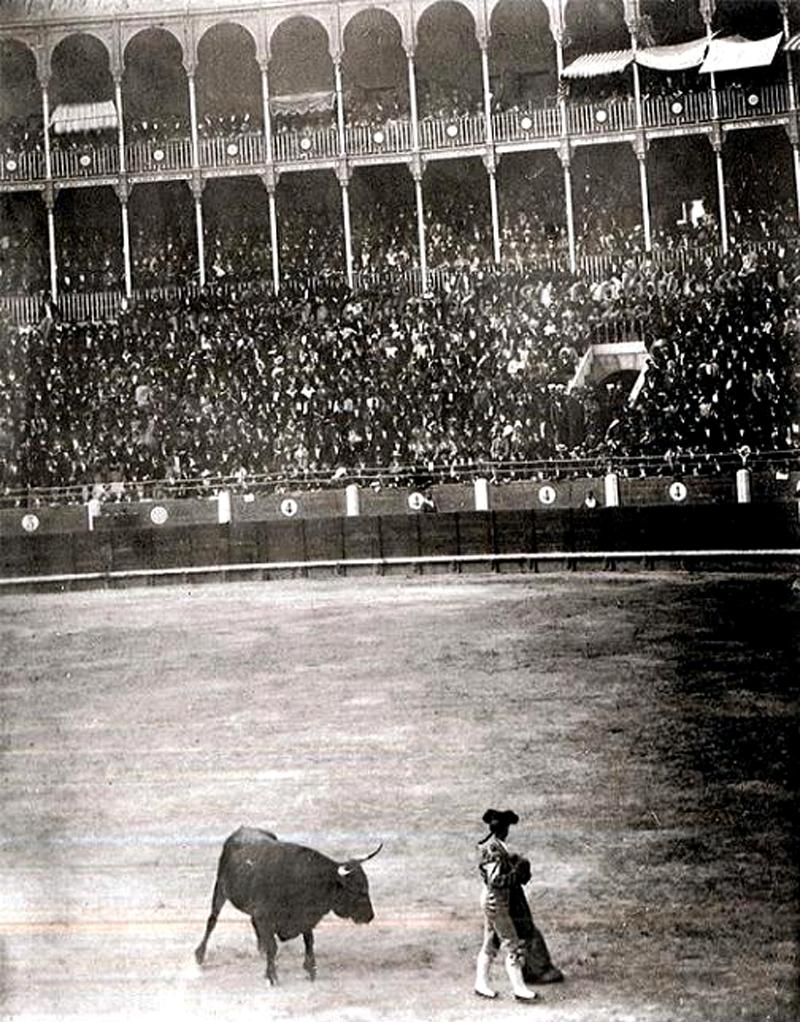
point(678, 492)
point(547, 495)
point(159, 515)
point(289, 507)
point(416, 501)
point(30, 522)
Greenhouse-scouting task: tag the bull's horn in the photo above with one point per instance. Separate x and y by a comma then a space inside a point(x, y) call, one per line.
point(347, 867)
point(371, 855)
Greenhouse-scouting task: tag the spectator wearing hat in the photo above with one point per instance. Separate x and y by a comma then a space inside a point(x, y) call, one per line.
point(500, 870)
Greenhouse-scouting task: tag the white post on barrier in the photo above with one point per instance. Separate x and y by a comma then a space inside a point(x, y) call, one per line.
point(481, 494)
point(224, 507)
point(93, 508)
point(743, 486)
point(611, 488)
point(352, 498)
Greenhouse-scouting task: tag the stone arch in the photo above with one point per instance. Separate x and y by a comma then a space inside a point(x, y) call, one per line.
point(19, 87)
point(593, 25)
point(300, 55)
point(750, 18)
point(131, 34)
point(522, 59)
point(154, 80)
point(422, 8)
point(398, 16)
point(228, 87)
point(373, 59)
point(204, 29)
point(80, 69)
point(448, 60)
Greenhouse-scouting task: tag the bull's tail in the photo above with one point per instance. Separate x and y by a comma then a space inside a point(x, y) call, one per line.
point(218, 899)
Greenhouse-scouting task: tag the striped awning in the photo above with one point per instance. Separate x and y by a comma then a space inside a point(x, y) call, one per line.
point(680, 57)
point(74, 117)
point(734, 53)
point(592, 65)
point(793, 43)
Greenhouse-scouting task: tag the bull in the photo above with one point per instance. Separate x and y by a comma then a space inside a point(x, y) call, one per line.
point(285, 889)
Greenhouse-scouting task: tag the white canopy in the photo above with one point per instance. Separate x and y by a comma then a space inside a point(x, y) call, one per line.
point(73, 117)
point(735, 53)
point(680, 57)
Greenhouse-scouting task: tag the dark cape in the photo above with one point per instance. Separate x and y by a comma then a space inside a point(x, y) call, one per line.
point(537, 965)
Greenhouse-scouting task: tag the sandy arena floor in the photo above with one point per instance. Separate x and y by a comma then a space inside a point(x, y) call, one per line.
point(644, 727)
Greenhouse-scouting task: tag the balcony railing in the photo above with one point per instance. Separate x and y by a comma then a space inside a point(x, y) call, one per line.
point(615, 115)
point(157, 157)
point(524, 125)
point(673, 111)
point(452, 133)
point(437, 134)
point(103, 305)
point(241, 151)
point(391, 137)
point(89, 161)
point(22, 165)
point(314, 144)
point(765, 100)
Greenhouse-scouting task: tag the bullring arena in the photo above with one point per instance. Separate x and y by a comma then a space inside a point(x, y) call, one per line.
point(399, 417)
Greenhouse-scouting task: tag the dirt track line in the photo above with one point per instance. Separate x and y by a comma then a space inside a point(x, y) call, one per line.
point(398, 922)
point(411, 561)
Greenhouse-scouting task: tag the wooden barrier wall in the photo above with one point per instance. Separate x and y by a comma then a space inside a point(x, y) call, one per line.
point(145, 545)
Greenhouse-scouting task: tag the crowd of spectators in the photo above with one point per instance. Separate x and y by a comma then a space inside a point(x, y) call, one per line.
point(233, 381)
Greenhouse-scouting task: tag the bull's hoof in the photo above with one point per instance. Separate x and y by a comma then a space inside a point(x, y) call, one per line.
point(551, 975)
point(199, 955)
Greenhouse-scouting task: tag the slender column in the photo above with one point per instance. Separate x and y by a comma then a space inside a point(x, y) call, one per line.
point(270, 181)
point(416, 169)
point(707, 10)
point(273, 241)
point(423, 256)
point(348, 234)
point(48, 165)
point(197, 193)
point(562, 100)
point(792, 87)
point(342, 172)
point(126, 247)
point(120, 125)
point(641, 159)
point(193, 124)
point(412, 99)
point(487, 94)
point(566, 162)
point(723, 206)
point(796, 164)
point(490, 161)
point(789, 65)
point(641, 151)
point(267, 114)
point(51, 243)
point(496, 246)
point(565, 155)
point(337, 73)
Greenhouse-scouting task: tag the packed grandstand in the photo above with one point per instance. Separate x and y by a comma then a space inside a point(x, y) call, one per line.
point(430, 325)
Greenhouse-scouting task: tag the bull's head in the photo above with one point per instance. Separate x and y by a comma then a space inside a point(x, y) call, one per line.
point(351, 899)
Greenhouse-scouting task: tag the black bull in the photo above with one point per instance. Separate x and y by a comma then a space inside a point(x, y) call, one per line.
point(285, 889)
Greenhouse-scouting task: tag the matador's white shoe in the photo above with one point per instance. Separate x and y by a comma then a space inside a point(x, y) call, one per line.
point(482, 988)
point(522, 992)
